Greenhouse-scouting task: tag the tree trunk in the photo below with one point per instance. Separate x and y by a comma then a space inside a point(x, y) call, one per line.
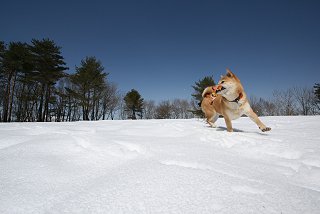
point(21, 104)
point(11, 97)
point(40, 118)
point(46, 105)
point(6, 99)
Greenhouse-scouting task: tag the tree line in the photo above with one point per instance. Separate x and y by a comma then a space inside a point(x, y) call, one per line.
point(36, 85)
point(28, 74)
point(292, 101)
point(137, 108)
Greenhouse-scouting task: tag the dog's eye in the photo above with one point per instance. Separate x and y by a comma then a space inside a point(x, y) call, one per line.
point(222, 82)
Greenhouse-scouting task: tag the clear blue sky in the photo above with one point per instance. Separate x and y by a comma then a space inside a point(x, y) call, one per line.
point(160, 48)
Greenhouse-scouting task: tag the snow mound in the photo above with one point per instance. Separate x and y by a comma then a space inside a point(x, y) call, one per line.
point(160, 166)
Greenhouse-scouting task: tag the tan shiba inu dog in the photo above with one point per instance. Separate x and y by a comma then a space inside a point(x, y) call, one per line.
point(229, 100)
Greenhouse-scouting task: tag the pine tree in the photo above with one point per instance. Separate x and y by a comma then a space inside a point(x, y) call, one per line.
point(25, 83)
point(2, 51)
point(317, 95)
point(89, 81)
point(15, 63)
point(197, 95)
point(317, 91)
point(134, 104)
point(49, 67)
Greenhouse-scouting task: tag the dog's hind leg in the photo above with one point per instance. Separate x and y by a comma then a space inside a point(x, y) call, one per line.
point(228, 123)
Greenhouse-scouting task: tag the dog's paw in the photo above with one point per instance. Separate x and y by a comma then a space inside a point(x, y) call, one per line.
point(265, 129)
point(213, 125)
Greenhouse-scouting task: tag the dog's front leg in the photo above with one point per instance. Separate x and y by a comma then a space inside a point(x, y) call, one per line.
point(250, 113)
point(228, 123)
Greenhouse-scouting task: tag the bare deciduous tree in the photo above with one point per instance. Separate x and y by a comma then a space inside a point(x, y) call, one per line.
point(305, 99)
point(284, 102)
point(181, 109)
point(256, 105)
point(111, 100)
point(149, 109)
point(163, 110)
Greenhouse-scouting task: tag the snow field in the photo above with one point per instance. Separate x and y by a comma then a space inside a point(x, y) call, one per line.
point(161, 166)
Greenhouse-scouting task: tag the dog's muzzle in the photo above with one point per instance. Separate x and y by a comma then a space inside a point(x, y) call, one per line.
point(220, 88)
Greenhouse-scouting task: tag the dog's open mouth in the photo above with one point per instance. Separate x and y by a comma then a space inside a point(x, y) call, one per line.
point(220, 88)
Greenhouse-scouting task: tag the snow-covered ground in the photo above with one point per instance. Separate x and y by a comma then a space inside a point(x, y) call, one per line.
point(160, 166)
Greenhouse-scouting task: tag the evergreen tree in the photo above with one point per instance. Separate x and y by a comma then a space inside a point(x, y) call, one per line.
point(49, 68)
point(89, 81)
point(134, 104)
point(2, 51)
point(317, 91)
point(317, 95)
point(25, 83)
point(15, 63)
point(197, 95)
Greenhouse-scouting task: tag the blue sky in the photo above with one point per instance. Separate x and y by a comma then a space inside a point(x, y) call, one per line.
point(161, 48)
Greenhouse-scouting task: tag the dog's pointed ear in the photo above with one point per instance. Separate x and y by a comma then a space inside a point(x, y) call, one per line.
point(229, 73)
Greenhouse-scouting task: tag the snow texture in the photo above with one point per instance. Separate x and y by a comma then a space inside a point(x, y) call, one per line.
point(161, 166)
